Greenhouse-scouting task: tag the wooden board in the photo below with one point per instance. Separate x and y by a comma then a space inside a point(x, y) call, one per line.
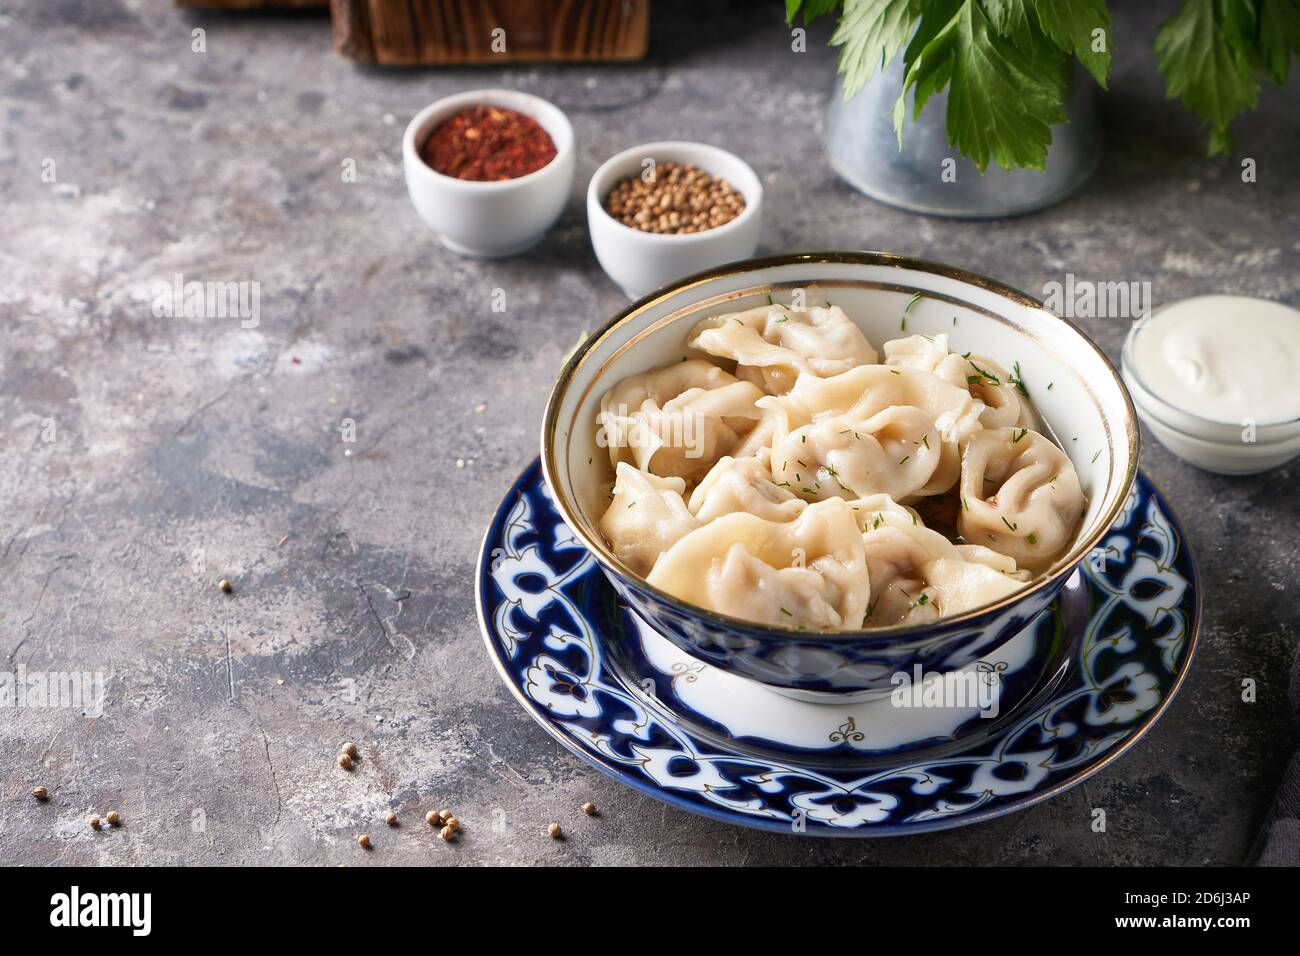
point(248, 4)
point(409, 32)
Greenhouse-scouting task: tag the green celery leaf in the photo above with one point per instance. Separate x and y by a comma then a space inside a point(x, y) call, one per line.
point(1002, 100)
point(1070, 24)
point(870, 34)
point(1010, 17)
point(812, 9)
point(1279, 36)
point(1202, 66)
point(936, 15)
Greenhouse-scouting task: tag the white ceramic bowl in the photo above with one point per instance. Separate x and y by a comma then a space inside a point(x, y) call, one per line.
point(489, 219)
point(1086, 407)
point(641, 262)
point(1220, 447)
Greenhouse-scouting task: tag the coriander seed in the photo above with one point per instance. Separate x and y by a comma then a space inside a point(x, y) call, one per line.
point(447, 833)
point(589, 808)
point(445, 815)
point(40, 793)
point(225, 585)
point(554, 832)
point(94, 821)
point(345, 761)
point(350, 749)
point(433, 818)
point(112, 818)
point(678, 199)
point(390, 818)
point(363, 841)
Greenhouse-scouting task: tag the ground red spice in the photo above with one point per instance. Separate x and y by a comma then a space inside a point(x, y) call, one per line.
point(488, 143)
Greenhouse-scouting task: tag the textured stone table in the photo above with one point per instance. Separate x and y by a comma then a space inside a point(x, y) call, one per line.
point(146, 458)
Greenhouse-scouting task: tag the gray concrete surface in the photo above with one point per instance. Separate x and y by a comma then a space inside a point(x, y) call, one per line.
point(145, 458)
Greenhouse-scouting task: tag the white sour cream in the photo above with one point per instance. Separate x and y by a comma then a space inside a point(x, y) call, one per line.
point(1226, 358)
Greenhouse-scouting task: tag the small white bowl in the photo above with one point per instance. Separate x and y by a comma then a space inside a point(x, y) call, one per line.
point(641, 262)
point(1214, 446)
point(494, 218)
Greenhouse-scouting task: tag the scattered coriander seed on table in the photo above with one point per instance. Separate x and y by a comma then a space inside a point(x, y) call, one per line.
point(453, 823)
point(445, 815)
point(363, 841)
point(447, 833)
point(433, 818)
point(554, 832)
point(589, 808)
point(225, 585)
point(390, 818)
point(112, 818)
point(345, 761)
point(350, 749)
point(40, 793)
point(94, 821)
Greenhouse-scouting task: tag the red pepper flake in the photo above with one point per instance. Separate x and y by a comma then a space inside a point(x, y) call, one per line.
point(488, 143)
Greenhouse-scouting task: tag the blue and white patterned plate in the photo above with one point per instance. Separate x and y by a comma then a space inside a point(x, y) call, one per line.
point(1078, 688)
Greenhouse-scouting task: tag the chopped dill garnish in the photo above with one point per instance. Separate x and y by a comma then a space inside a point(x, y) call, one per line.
point(1016, 438)
point(1018, 380)
point(988, 376)
point(904, 459)
point(870, 608)
point(786, 613)
point(1008, 523)
point(1096, 456)
point(1033, 538)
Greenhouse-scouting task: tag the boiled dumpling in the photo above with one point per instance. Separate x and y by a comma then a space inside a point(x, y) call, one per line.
point(984, 378)
point(772, 345)
point(1020, 496)
point(646, 517)
point(861, 393)
point(743, 484)
point(809, 572)
point(894, 452)
point(678, 420)
point(918, 575)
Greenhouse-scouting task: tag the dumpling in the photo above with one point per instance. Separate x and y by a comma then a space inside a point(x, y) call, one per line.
point(772, 345)
point(856, 396)
point(1020, 496)
point(870, 511)
point(894, 452)
point(678, 420)
point(918, 575)
point(743, 484)
point(984, 378)
point(809, 572)
point(646, 517)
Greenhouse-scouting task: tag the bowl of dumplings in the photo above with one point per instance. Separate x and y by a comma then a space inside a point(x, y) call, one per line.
point(821, 471)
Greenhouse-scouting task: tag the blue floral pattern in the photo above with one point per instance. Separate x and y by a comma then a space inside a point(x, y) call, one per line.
point(536, 588)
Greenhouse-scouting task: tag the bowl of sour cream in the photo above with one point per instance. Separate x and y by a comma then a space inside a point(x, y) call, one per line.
point(1216, 379)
